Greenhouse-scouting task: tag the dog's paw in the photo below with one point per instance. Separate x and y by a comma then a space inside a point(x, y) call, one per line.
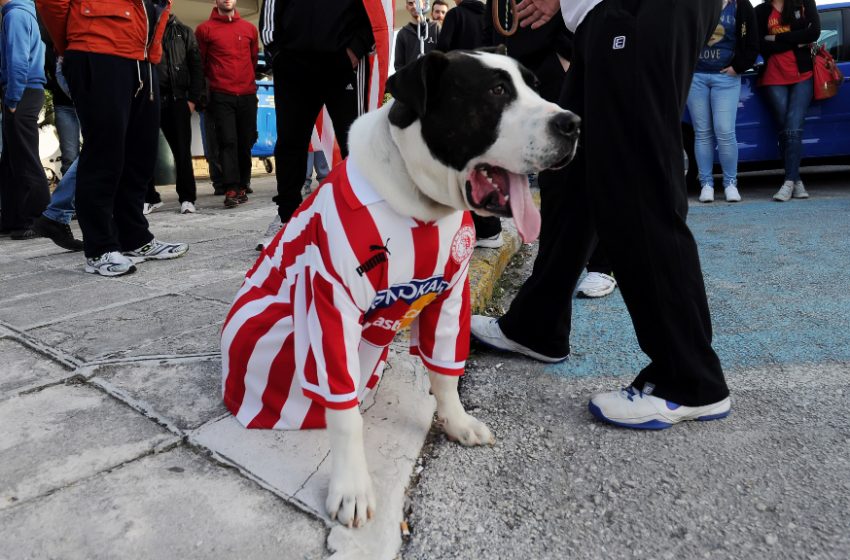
point(351, 499)
point(467, 430)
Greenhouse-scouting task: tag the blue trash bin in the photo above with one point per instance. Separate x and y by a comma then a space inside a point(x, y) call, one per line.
point(266, 123)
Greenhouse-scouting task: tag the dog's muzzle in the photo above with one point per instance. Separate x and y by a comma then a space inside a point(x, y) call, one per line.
point(565, 126)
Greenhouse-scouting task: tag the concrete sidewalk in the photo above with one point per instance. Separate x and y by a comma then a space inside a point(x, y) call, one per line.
point(115, 442)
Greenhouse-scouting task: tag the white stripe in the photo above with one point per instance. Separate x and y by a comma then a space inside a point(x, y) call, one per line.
point(259, 368)
point(268, 22)
point(441, 363)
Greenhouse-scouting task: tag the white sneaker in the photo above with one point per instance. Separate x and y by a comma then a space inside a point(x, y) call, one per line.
point(732, 194)
point(492, 242)
point(785, 191)
point(148, 208)
point(707, 193)
point(271, 231)
point(187, 207)
point(596, 285)
point(799, 190)
point(157, 251)
point(487, 331)
point(630, 408)
point(110, 264)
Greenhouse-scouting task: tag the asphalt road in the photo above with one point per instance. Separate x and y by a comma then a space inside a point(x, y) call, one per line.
point(771, 481)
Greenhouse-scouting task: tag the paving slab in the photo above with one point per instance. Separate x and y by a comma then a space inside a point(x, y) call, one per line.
point(65, 433)
point(295, 464)
point(40, 283)
point(181, 393)
point(170, 505)
point(23, 368)
point(173, 322)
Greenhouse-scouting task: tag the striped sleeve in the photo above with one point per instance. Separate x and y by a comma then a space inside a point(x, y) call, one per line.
point(440, 335)
point(327, 336)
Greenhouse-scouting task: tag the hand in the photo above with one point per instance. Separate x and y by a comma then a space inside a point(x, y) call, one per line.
point(11, 109)
point(536, 13)
point(352, 57)
point(191, 107)
point(771, 38)
point(729, 71)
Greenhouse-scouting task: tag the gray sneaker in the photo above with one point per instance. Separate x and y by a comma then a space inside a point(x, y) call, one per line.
point(784, 192)
point(110, 264)
point(157, 250)
point(271, 231)
point(799, 190)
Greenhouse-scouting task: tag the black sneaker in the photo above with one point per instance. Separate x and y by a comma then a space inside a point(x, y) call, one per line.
point(231, 199)
point(249, 190)
point(24, 234)
point(60, 234)
point(243, 196)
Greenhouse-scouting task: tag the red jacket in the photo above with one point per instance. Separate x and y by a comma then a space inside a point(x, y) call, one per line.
point(229, 50)
point(116, 27)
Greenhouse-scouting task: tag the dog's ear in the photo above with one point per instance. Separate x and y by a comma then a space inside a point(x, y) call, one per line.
point(415, 85)
point(498, 49)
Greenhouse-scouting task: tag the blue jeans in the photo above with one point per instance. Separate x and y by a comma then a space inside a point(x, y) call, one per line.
point(789, 104)
point(61, 207)
point(713, 105)
point(68, 128)
point(321, 163)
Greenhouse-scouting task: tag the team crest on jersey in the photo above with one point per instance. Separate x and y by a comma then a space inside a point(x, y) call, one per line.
point(463, 244)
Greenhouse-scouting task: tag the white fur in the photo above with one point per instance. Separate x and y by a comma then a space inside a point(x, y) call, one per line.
point(351, 498)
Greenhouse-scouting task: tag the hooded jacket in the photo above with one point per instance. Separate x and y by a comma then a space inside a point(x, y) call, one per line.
point(181, 74)
point(229, 48)
point(407, 42)
point(463, 27)
point(21, 52)
point(115, 27)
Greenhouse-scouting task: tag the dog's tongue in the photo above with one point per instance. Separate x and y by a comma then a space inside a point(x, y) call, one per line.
point(525, 213)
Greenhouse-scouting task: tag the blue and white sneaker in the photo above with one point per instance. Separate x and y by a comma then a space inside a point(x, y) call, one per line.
point(157, 250)
point(110, 264)
point(630, 408)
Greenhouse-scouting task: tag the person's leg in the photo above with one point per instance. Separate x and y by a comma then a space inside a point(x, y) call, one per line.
point(725, 92)
point(152, 195)
point(700, 108)
point(61, 207)
point(777, 99)
point(211, 152)
point(341, 97)
point(321, 165)
point(176, 124)
point(224, 113)
point(298, 102)
point(799, 98)
point(487, 230)
point(642, 221)
point(68, 128)
point(599, 261)
point(246, 133)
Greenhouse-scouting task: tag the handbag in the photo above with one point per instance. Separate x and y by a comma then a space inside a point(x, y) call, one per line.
point(827, 76)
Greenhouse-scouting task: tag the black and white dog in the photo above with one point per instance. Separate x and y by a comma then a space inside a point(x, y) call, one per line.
point(385, 244)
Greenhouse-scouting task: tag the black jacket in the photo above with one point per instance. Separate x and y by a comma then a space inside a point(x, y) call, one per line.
point(747, 37)
point(805, 29)
point(463, 27)
point(181, 74)
point(325, 26)
point(59, 97)
point(407, 42)
point(530, 46)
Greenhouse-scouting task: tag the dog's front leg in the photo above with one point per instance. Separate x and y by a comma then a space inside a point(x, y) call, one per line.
point(451, 416)
point(351, 498)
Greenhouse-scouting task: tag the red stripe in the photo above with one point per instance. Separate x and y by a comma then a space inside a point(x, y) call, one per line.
point(281, 375)
point(426, 243)
point(415, 351)
point(315, 418)
point(333, 339)
point(316, 397)
point(462, 345)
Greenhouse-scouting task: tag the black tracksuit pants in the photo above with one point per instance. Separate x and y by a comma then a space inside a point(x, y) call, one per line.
point(235, 119)
point(176, 124)
point(629, 79)
point(304, 82)
point(24, 193)
point(117, 101)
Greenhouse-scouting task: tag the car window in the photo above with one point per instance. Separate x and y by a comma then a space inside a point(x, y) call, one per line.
point(832, 33)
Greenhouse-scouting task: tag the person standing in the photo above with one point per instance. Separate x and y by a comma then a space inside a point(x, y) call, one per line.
point(316, 65)
point(788, 28)
point(229, 48)
point(108, 62)
point(23, 186)
point(439, 9)
point(181, 81)
point(713, 98)
point(67, 124)
point(418, 33)
point(626, 54)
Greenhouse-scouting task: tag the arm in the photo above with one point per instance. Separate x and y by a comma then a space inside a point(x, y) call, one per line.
point(808, 34)
point(400, 58)
point(255, 49)
point(201, 37)
point(363, 39)
point(17, 34)
point(749, 49)
point(54, 13)
point(195, 67)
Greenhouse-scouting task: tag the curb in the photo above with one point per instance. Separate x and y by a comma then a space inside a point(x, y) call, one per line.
point(486, 269)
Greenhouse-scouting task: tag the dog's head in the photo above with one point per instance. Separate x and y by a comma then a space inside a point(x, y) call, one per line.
point(471, 127)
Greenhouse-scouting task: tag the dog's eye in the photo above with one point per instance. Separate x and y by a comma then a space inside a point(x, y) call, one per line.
point(498, 90)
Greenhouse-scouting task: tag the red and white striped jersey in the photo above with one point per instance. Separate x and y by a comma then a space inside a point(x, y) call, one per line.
point(311, 325)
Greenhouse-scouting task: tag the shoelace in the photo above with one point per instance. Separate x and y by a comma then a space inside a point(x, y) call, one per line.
point(630, 393)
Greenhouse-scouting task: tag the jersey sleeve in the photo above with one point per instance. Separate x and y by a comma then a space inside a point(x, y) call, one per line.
point(440, 334)
point(327, 326)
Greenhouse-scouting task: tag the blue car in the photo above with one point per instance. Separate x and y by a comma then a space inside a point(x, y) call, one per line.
point(826, 134)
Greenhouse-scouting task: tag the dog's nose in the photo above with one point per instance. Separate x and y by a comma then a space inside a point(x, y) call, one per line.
point(565, 124)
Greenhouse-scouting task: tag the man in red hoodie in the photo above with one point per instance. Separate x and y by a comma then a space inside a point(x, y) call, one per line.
point(110, 51)
point(229, 48)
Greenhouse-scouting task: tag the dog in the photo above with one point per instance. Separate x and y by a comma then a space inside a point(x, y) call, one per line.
point(384, 244)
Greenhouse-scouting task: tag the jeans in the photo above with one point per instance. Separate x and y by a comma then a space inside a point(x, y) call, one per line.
point(68, 128)
point(318, 160)
point(713, 105)
point(789, 104)
point(61, 207)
